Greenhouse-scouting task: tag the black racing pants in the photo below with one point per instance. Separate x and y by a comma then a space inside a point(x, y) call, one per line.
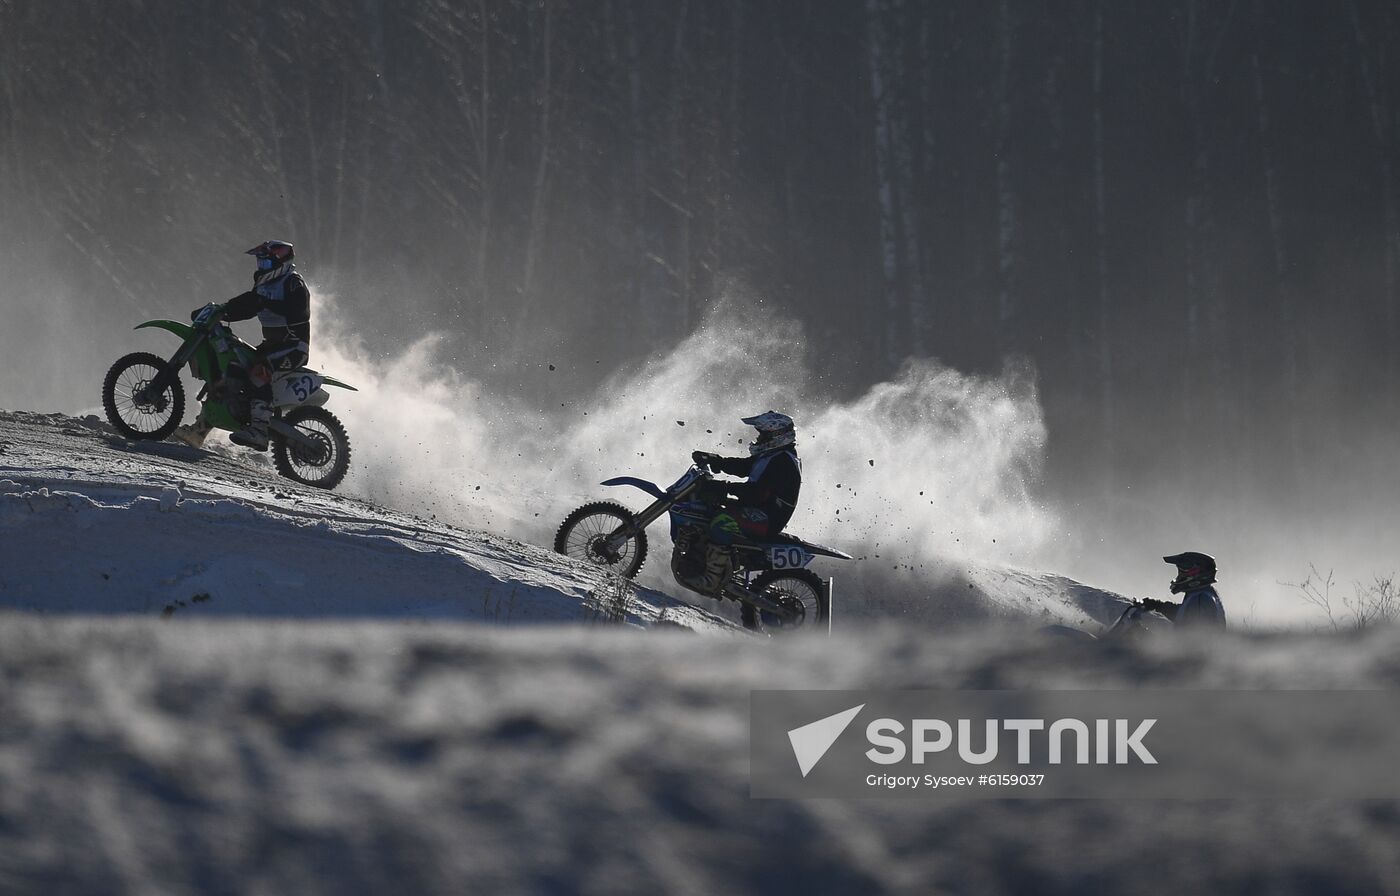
point(272, 358)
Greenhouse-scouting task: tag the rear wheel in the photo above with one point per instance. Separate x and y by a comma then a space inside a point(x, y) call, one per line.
point(801, 591)
point(322, 464)
point(584, 533)
point(131, 411)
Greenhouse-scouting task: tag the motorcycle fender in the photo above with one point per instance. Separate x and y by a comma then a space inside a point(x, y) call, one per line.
point(822, 550)
point(650, 488)
point(184, 331)
point(332, 381)
point(297, 387)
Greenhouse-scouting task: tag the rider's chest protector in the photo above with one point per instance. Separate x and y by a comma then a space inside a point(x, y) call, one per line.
point(276, 312)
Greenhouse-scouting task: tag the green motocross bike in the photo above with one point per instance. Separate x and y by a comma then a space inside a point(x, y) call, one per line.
point(144, 399)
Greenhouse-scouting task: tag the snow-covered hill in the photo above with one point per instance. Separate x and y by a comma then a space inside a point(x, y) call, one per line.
point(93, 523)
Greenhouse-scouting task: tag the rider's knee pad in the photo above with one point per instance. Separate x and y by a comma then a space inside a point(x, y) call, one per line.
point(287, 359)
point(724, 529)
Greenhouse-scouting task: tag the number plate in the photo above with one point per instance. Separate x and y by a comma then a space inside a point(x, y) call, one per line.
point(788, 556)
point(294, 388)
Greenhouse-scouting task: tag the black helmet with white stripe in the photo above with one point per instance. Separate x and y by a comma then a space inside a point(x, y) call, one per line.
point(1193, 570)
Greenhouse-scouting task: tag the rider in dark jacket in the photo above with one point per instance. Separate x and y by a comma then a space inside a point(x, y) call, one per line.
point(756, 508)
point(1195, 577)
point(282, 303)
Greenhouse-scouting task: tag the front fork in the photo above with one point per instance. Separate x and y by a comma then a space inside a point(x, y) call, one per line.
point(169, 374)
point(639, 523)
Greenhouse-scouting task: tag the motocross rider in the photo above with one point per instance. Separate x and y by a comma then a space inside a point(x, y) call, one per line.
point(755, 509)
point(282, 303)
point(1195, 576)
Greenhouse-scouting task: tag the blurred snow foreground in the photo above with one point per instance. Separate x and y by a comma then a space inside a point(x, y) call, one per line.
point(328, 742)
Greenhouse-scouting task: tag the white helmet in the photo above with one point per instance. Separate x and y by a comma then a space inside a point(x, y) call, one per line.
point(775, 432)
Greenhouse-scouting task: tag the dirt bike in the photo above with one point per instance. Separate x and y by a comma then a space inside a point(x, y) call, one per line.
point(771, 582)
point(144, 399)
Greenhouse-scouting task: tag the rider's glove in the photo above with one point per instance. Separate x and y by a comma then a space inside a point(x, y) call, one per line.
point(703, 458)
point(1150, 604)
point(207, 313)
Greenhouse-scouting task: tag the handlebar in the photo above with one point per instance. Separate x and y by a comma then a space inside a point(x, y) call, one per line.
point(704, 460)
point(208, 315)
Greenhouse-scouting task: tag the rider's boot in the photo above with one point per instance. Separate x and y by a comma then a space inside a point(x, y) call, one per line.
point(719, 568)
point(254, 435)
point(194, 434)
point(704, 568)
point(687, 563)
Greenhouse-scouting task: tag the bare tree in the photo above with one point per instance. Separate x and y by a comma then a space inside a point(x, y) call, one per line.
point(1371, 605)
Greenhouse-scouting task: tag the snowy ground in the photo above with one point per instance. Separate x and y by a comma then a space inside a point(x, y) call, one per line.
point(93, 523)
point(356, 728)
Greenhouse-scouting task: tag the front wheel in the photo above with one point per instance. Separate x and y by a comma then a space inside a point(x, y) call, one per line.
point(801, 591)
point(322, 464)
point(584, 534)
point(131, 409)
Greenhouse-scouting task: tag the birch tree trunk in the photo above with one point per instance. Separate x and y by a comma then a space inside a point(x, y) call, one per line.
point(1191, 223)
point(540, 187)
point(1378, 104)
point(1287, 334)
point(679, 200)
point(877, 55)
point(913, 321)
point(1107, 421)
point(484, 160)
point(1006, 199)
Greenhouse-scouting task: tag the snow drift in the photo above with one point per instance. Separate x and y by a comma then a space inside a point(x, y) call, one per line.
point(94, 524)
